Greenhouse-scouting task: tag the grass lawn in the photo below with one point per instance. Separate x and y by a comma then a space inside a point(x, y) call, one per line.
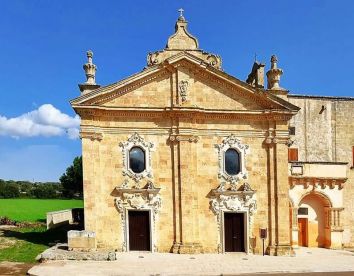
point(24, 244)
point(34, 209)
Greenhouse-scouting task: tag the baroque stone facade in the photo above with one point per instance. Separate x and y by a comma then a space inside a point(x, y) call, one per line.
point(182, 157)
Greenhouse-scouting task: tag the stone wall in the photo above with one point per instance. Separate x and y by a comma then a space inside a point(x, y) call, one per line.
point(325, 132)
point(192, 167)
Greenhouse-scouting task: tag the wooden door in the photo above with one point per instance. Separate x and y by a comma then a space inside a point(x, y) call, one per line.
point(302, 229)
point(139, 231)
point(234, 232)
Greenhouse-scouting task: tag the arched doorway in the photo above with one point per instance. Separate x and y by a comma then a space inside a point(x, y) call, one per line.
point(313, 223)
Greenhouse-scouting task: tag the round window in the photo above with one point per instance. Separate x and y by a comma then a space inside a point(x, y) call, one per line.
point(137, 159)
point(232, 162)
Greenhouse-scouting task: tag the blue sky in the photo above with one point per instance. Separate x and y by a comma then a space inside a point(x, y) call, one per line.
point(43, 45)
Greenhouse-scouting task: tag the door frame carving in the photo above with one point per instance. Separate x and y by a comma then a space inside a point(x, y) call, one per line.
point(147, 199)
point(236, 202)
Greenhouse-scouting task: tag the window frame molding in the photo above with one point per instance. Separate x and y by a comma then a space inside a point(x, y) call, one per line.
point(232, 142)
point(136, 140)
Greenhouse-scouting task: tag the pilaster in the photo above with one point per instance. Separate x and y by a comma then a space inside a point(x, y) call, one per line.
point(278, 199)
point(188, 197)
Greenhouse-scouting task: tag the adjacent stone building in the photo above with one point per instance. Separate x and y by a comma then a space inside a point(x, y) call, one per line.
point(183, 157)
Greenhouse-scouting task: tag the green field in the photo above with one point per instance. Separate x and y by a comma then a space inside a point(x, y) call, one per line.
point(23, 244)
point(34, 209)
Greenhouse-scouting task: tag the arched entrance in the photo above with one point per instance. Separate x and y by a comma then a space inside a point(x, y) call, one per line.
point(313, 221)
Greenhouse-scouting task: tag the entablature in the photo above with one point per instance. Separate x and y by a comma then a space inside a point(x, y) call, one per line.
point(182, 112)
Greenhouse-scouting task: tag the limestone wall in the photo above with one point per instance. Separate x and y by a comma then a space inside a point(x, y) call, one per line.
point(197, 174)
point(325, 132)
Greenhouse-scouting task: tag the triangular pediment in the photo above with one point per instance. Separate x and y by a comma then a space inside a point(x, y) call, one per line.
point(205, 87)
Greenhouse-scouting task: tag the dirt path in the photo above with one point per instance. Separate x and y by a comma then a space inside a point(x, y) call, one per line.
point(11, 268)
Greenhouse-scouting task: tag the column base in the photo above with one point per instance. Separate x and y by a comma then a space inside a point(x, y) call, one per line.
point(280, 250)
point(187, 248)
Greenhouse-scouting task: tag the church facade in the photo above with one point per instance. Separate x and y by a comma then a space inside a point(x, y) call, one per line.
point(185, 158)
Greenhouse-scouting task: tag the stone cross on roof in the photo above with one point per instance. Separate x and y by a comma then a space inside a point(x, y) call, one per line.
point(181, 12)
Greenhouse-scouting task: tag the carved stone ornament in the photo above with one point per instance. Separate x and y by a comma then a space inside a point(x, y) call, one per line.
point(234, 143)
point(183, 90)
point(214, 60)
point(233, 201)
point(138, 199)
point(154, 58)
point(133, 141)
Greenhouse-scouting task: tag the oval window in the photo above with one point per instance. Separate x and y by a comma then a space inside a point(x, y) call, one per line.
point(232, 161)
point(137, 159)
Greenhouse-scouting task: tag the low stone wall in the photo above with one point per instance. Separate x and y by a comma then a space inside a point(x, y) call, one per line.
point(58, 218)
point(81, 240)
point(63, 217)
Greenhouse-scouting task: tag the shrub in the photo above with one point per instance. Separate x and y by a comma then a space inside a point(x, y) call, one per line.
point(7, 221)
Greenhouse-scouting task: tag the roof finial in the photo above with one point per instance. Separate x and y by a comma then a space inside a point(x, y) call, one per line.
point(90, 72)
point(90, 69)
point(181, 17)
point(274, 74)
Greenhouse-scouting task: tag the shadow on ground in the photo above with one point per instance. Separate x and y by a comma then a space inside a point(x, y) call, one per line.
point(40, 235)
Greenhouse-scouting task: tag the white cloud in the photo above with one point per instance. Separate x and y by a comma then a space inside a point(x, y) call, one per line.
point(45, 121)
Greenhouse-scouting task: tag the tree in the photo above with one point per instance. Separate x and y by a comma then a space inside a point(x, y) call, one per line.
point(72, 180)
point(8, 190)
point(44, 190)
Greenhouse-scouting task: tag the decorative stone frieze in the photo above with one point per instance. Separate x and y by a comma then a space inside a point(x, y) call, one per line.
point(228, 200)
point(147, 198)
point(133, 141)
point(232, 142)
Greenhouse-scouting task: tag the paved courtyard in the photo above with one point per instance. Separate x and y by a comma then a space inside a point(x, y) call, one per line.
point(307, 260)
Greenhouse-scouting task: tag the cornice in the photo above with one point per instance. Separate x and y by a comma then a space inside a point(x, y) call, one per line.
point(182, 112)
point(192, 132)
